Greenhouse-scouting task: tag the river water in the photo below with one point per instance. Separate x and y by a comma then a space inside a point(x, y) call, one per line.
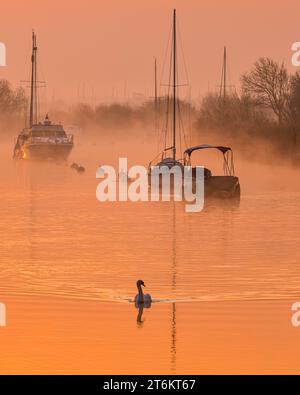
point(58, 243)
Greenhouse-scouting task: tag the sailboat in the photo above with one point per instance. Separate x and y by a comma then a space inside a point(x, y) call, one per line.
point(219, 186)
point(165, 158)
point(41, 140)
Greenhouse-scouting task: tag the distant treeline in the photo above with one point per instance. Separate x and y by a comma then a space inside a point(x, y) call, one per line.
point(124, 115)
point(13, 103)
point(266, 107)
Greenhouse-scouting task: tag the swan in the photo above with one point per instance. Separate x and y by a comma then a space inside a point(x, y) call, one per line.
point(140, 298)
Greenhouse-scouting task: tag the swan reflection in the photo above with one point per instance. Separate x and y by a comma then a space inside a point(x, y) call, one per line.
point(141, 308)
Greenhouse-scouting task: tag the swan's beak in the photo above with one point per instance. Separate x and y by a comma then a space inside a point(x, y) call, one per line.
point(143, 285)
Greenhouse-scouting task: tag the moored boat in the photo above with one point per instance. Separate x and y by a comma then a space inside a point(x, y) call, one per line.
point(41, 140)
point(224, 186)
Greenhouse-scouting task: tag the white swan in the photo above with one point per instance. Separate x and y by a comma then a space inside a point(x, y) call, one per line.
point(140, 298)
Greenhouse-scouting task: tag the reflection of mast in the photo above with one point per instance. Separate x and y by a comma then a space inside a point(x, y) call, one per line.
point(174, 85)
point(173, 347)
point(33, 219)
point(173, 314)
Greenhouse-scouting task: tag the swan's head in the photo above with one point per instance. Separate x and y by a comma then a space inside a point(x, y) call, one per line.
point(139, 283)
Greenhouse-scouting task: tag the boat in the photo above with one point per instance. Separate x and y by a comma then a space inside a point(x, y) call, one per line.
point(221, 186)
point(41, 140)
point(165, 158)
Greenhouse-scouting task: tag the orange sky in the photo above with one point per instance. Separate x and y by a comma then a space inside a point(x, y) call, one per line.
point(110, 45)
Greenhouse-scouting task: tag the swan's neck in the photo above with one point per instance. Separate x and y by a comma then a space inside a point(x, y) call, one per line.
point(141, 295)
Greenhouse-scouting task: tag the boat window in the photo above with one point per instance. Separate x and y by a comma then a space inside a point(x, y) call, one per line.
point(60, 134)
point(48, 133)
point(35, 133)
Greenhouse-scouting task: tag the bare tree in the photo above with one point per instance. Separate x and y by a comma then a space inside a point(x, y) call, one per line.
point(268, 83)
point(295, 97)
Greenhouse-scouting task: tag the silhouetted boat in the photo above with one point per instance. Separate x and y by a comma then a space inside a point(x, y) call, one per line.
point(166, 160)
point(41, 140)
point(220, 186)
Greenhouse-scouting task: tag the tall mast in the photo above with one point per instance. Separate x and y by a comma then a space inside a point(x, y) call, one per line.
point(35, 83)
point(155, 83)
point(174, 84)
point(155, 94)
point(224, 65)
point(33, 101)
point(223, 85)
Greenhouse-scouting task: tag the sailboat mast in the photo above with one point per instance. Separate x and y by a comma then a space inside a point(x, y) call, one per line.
point(35, 83)
point(224, 70)
point(155, 83)
point(33, 80)
point(155, 94)
point(174, 84)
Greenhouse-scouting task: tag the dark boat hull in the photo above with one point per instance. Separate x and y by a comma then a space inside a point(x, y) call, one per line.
point(224, 187)
point(220, 187)
point(46, 152)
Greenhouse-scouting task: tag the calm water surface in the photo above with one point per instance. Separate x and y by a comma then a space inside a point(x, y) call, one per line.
point(57, 241)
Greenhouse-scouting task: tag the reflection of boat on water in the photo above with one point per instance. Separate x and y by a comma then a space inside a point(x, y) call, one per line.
point(223, 186)
point(41, 140)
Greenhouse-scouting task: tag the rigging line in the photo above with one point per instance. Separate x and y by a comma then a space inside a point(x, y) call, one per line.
point(26, 105)
point(188, 84)
point(189, 116)
point(183, 56)
point(185, 138)
point(43, 100)
point(156, 107)
point(168, 98)
point(181, 128)
point(166, 54)
point(178, 103)
point(179, 111)
point(181, 124)
point(163, 127)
